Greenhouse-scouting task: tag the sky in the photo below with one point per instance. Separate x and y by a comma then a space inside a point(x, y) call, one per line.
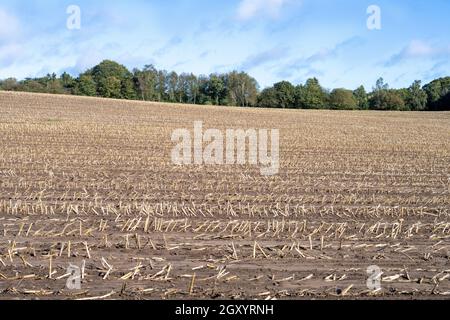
point(272, 40)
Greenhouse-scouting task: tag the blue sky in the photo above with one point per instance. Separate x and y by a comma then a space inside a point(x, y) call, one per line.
point(272, 40)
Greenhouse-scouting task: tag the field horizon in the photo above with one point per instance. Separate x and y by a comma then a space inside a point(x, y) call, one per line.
point(223, 107)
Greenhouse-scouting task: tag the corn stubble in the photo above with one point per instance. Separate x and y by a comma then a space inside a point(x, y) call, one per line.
point(90, 182)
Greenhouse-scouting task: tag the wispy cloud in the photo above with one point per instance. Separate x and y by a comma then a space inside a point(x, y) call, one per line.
point(439, 69)
point(264, 57)
point(226, 35)
point(328, 53)
point(204, 54)
point(306, 64)
point(418, 49)
point(175, 41)
point(249, 9)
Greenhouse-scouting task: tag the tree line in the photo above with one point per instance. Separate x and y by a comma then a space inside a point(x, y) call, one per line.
point(110, 79)
point(434, 96)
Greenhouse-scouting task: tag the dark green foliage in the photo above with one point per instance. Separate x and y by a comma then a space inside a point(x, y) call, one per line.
point(311, 95)
point(387, 100)
point(268, 98)
point(404, 95)
point(444, 102)
point(438, 91)
point(417, 97)
point(113, 80)
point(394, 101)
point(85, 86)
point(281, 95)
point(110, 79)
point(342, 99)
point(377, 100)
point(383, 98)
point(285, 93)
point(215, 88)
point(362, 98)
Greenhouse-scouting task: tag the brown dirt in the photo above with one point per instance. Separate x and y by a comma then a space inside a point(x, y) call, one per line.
point(355, 189)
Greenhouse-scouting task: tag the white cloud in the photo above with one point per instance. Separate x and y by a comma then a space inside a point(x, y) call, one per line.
point(418, 49)
point(261, 58)
point(250, 8)
point(9, 25)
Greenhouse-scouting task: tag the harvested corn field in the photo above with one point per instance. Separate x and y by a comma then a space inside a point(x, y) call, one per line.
point(359, 208)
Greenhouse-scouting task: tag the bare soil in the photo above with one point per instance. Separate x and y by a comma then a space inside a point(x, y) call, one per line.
point(90, 182)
